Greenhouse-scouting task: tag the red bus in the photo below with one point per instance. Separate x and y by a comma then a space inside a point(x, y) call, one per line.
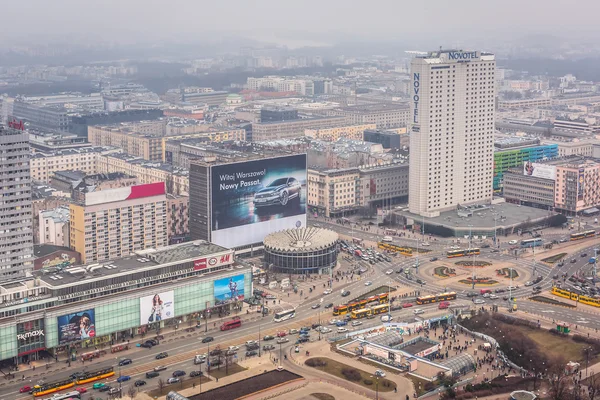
point(236, 323)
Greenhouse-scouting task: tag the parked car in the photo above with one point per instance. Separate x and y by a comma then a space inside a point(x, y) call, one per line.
point(178, 373)
point(281, 334)
point(170, 381)
point(293, 331)
point(407, 305)
point(151, 374)
point(196, 373)
point(251, 353)
point(329, 305)
point(279, 192)
point(162, 355)
point(379, 373)
point(139, 383)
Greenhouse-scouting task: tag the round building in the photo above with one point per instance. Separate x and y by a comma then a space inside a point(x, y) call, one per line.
point(302, 251)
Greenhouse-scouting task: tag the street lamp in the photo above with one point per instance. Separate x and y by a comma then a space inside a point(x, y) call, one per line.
point(377, 386)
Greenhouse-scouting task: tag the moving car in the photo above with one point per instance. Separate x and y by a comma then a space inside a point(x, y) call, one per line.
point(123, 378)
point(327, 291)
point(139, 382)
point(196, 373)
point(315, 306)
point(125, 361)
point(356, 323)
point(279, 192)
point(268, 347)
point(178, 373)
point(81, 390)
point(282, 340)
point(493, 297)
point(341, 329)
point(512, 242)
point(151, 374)
point(418, 311)
point(98, 385)
point(160, 368)
point(329, 305)
point(251, 353)
point(105, 388)
point(162, 355)
point(345, 293)
point(368, 283)
point(281, 334)
point(389, 272)
point(379, 373)
point(25, 389)
point(208, 339)
point(479, 301)
point(268, 337)
point(431, 259)
point(407, 305)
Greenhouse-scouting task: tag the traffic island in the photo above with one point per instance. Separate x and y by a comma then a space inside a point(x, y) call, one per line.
point(479, 281)
point(507, 273)
point(554, 302)
point(554, 258)
point(350, 374)
point(444, 272)
point(473, 263)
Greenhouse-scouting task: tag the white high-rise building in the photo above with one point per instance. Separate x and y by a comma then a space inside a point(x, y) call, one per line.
point(451, 130)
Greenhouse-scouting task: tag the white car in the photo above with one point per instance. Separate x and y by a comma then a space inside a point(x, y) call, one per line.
point(333, 321)
point(233, 348)
point(512, 242)
point(386, 318)
point(511, 288)
point(454, 247)
point(389, 272)
point(479, 301)
point(270, 297)
point(251, 342)
point(327, 291)
point(368, 283)
point(282, 340)
point(356, 323)
point(493, 297)
point(418, 311)
point(325, 329)
point(379, 373)
point(341, 329)
point(425, 244)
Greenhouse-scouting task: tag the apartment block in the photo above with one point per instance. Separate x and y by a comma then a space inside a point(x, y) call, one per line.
point(354, 132)
point(293, 128)
point(45, 164)
point(115, 223)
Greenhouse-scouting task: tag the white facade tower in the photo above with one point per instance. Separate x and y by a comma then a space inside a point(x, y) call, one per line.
point(451, 126)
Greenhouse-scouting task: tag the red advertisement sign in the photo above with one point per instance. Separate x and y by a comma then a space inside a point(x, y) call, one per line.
point(200, 264)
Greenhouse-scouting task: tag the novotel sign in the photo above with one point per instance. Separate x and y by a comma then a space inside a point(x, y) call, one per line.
point(23, 336)
point(463, 55)
point(416, 87)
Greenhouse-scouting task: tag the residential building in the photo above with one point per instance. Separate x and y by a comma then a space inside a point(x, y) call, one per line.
point(54, 226)
point(525, 103)
point(354, 132)
point(45, 165)
point(98, 182)
point(145, 145)
point(16, 240)
point(452, 130)
point(294, 128)
point(114, 223)
point(577, 185)
point(214, 98)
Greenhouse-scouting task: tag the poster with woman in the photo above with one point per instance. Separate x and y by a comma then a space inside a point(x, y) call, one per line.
point(76, 326)
point(156, 307)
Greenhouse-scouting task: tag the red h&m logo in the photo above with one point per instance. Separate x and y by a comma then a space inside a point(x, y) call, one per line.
point(200, 264)
point(225, 258)
point(16, 125)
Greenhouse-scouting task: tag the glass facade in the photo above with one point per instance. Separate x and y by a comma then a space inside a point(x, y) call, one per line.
point(505, 159)
point(309, 262)
point(8, 342)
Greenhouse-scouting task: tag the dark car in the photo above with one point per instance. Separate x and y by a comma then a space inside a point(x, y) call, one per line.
point(303, 339)
point(268, 337)
point(252, 346)
point(345, 293)
point(162, 355)
point(573, 261)
point(178, 373)
point(251, 353)
point(153, 342)
point(139, 382)
point(146, 345)
point(278, 192)
point(433, 259)
point(560, 264)
point(268, 347)
point(315, 326)
point(105, 388)
point(208, 339)
point(583, 254)
point(196, 373)
point(329, 305)
point(151, 374)
point(400, 270)
point(472, 294)
point(125, 361)
point(123, 378)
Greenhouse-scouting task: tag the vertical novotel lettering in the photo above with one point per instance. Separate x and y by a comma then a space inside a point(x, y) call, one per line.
point(416, 85)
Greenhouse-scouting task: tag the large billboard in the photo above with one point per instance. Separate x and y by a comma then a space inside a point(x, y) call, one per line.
point(229, 289)
point(539, 170)
point(254, 198)
point(157, 307)
point(76, 326)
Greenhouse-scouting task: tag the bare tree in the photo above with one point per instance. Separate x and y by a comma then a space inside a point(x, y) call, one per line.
point(593, 384)
point(559, 380)
point(132, 392)
point(161, 385)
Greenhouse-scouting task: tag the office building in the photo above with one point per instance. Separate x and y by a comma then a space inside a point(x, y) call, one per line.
point(16, 241)
point(388, 139)
point(452, 130)
point(53, 141)
point(510, 153)
point(113, 223)
point(383, 115)
point(116, 298)
point(42, 117)
point(270, 114)
point(80, 123)
point(354, 132)
point(294, 128)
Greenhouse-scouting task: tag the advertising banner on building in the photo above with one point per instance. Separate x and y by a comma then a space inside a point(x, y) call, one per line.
point(539, 170)
point(76, 326)
point(229, 289)
point(580, 184)
point(157, 307)
point(254, 198)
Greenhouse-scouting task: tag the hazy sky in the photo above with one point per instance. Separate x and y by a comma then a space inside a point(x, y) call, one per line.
point(320, 21)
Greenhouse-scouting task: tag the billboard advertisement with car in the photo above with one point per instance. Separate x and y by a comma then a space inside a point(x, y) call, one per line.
point(229, 289)
point(251, 199)
point(76, 326)
point(539, 170)
point(157, 307)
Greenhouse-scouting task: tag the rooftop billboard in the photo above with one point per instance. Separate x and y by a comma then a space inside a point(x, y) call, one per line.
point(539, 170)
point(254, 198)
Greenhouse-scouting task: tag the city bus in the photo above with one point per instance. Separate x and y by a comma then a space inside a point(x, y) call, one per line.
point(527, 243)
point(381, 309)
point(67, 396)
point(52, 387)
point(96, 375)
point(284, 315)
point(363, 313)
point(583, 235)
point(462, 252)
point(406, 251)
point(234, 323)
point(342, 309)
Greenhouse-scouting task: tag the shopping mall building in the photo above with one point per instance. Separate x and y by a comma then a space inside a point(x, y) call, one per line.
point(78, 309)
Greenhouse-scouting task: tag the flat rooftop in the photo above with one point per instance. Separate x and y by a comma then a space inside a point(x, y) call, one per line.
point(505, 214)
point(140, 259)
